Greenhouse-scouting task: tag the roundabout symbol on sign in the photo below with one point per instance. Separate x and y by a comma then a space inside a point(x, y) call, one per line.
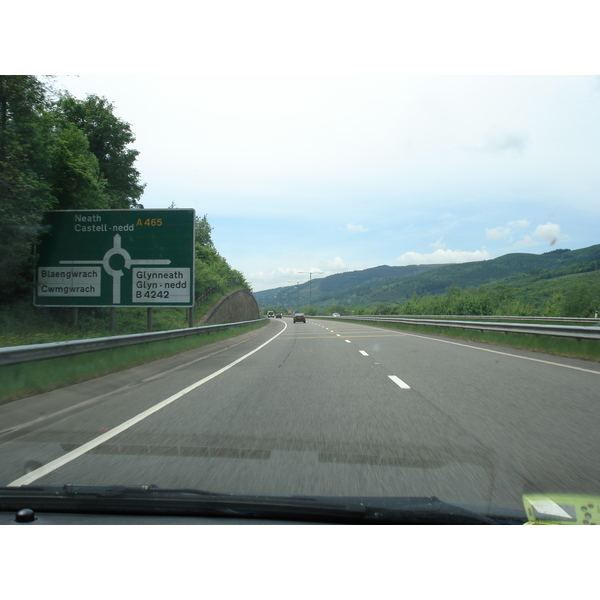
point(116, 274)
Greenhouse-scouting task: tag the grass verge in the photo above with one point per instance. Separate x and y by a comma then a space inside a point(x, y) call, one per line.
point(572, 348)
point(26, 379)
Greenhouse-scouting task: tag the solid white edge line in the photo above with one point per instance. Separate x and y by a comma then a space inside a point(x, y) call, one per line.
point(539, 360)
point(70, 456)
point(399, 382)
point(117, 390)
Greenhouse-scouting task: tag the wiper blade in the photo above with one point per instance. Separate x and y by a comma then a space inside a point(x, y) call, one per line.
point(125, 491)
point(152, 499)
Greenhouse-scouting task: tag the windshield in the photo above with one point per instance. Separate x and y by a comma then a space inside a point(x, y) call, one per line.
point(455, 198)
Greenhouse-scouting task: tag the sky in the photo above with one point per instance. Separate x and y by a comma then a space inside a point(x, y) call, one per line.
point(329, 137)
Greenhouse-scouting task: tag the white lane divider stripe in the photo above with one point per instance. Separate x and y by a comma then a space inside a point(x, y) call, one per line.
point(363, 353)
point(399, 382)
point(83, 449)
point(348, 341)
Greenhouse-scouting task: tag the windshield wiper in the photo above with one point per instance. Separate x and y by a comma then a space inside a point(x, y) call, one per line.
point(154, 500)
point(113, 491)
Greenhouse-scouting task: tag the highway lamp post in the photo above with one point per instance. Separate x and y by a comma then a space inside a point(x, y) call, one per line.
point(310, 274)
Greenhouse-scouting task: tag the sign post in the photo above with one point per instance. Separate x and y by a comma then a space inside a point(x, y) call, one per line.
point(116, 258)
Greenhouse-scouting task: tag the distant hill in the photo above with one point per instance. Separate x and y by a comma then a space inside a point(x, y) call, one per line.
point(326, 290)
point(388, 284)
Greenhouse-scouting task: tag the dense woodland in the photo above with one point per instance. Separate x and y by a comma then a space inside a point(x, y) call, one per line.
point(58, 152)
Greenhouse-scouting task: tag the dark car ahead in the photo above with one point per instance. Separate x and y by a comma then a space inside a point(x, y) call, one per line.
point(278, 316)
point(299, 318)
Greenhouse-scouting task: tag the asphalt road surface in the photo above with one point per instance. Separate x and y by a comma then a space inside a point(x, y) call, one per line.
point(325, 407)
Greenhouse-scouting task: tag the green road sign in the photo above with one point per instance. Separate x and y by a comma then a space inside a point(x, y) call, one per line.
point(116, 258)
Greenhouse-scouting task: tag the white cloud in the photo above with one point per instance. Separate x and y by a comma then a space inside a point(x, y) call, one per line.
point(274, 278)
point(548, 233)
point(497, 233)
point(442, 256)
point(526, 242)
point(356, 228)
point(333, 266)
point(439, 244)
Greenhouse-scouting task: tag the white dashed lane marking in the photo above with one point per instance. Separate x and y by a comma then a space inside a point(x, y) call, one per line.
point(399, 382)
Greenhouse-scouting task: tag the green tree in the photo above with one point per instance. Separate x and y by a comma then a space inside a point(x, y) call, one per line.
point(554, 306)
point(578, 301)
point(25, 132)
point(203, 232)
point(108, 138)
point(75, 176)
